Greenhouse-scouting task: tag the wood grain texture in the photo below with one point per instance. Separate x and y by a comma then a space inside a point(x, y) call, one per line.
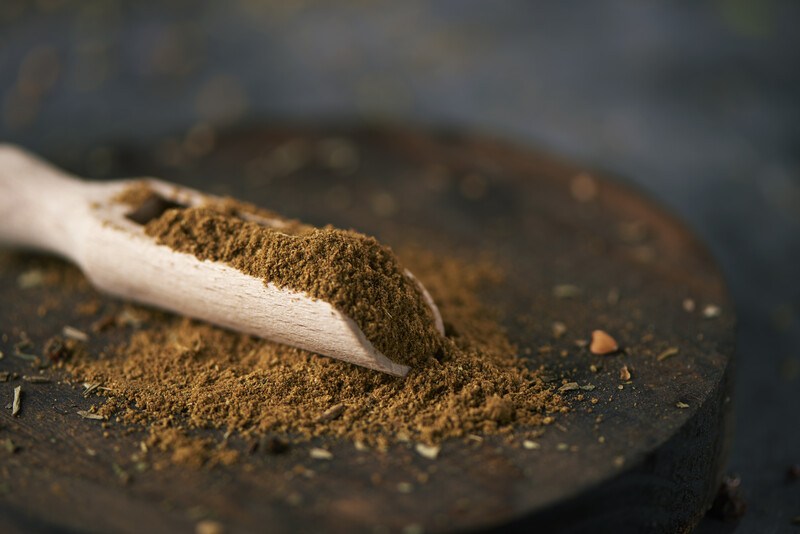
point(632, 461)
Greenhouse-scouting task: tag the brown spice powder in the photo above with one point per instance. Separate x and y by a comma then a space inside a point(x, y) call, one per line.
point(177, 375)
point(351, 271)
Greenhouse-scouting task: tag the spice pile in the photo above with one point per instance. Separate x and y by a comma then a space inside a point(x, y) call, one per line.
point(173, 376)
point(176, 374)
point(351, 271)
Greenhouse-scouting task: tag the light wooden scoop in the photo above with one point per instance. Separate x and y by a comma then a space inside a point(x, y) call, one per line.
point(42, 207)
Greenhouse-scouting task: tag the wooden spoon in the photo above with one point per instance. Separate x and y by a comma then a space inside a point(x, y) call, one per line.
point(42, 207)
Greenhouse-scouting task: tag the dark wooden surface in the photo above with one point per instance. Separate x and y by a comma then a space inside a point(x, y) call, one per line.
point(656, 469)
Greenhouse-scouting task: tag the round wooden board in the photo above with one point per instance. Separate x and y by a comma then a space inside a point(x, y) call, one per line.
point(646, 456)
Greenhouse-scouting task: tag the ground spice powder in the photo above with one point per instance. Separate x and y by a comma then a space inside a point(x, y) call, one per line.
point(175, 376)
point(350, 270)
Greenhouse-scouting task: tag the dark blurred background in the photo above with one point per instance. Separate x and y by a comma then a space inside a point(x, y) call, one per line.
point(696, 103)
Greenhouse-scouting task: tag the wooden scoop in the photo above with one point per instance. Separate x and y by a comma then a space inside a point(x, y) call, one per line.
point(42, 207)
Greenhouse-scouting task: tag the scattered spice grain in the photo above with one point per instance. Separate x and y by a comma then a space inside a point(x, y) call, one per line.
point(320, 454)
point(569, 386)
point(331, 413)
point(602, 343)
point(89, 389)
point(624, 373)
point(668, 353)
point(16, 404)
point(431, 452)
point(74, 333)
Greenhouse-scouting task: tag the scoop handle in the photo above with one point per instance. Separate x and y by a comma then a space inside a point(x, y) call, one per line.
point(41, 207)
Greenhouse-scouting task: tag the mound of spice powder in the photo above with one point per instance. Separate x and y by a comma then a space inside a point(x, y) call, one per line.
point(176, 375)
point(353, 272)
point(176, 378)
